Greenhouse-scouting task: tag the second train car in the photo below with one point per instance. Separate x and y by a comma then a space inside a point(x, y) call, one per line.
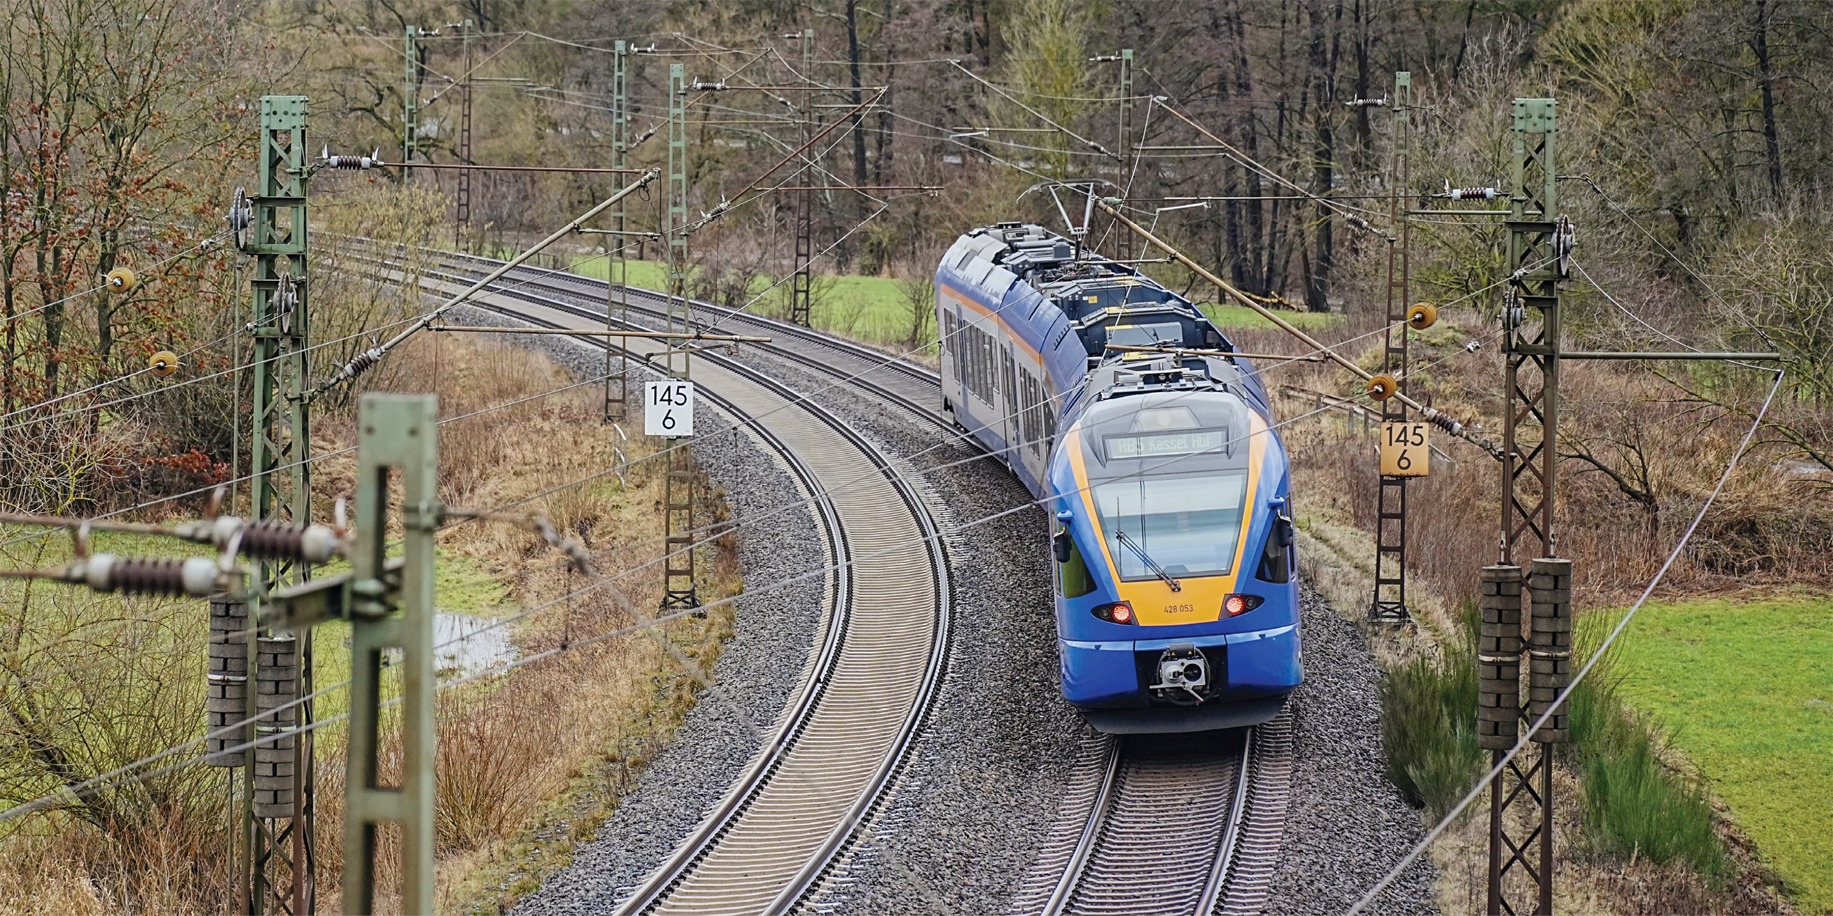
point(1119, 404)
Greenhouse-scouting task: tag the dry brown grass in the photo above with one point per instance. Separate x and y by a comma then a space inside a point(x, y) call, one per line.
point(1772, 526)
point(528, 761)
point(533, 760)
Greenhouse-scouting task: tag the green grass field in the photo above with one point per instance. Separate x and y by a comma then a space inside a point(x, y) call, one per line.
point(874, 309)
point(1240, 316)
point(1747, 690)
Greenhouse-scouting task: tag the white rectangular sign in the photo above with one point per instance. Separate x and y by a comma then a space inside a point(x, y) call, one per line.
point(668, 408)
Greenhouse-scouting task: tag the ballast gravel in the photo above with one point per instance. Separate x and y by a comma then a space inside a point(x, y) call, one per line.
point(967, 814)
point(761, 664)
point(991, 770)
point(1346, 824)
point(976, 800)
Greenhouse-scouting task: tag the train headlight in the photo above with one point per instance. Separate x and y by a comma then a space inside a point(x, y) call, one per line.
point(1237, 604)
point(1118, 612)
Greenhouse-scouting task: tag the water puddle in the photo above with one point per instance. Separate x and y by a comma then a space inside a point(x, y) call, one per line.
point(467, 644)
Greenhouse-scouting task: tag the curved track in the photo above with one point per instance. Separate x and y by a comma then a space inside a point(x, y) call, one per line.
point(826, 763)
point(1181, 825)
point(882, 374)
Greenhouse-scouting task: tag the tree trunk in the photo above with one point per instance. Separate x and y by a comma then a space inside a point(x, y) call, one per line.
point(881, 169)
point(1766, 81)
point(1365, 135)
point(1463, 44)
point(852, 50)
point(1252, 251)
point(1323, 55)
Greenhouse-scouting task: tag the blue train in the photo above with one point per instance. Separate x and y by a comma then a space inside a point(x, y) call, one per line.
point(1113, 400)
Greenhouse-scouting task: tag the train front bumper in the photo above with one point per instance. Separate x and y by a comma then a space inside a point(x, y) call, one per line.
point(1253, 671)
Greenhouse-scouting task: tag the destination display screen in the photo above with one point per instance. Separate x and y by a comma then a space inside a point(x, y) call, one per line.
point(1160, 445)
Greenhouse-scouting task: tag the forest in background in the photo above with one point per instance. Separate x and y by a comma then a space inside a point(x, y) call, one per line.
point(1694, 163)
point(1693, 160)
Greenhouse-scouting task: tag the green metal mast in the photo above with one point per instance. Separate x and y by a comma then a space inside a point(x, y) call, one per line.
point(679, 585)
point(801, 289)
point(617, 295)
point(274, 790)
point(389, 604)
point(1530, 432)
point(410, 99)
point(1530, 427)
point(461, 211)
point(394, 431)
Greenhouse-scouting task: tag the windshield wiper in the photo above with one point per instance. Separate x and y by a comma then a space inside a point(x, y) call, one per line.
point(1140, 552)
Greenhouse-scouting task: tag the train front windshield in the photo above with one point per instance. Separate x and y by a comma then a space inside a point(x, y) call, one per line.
point(1188, 525)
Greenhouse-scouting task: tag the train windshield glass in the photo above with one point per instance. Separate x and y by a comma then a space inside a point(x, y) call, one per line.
point(1187, 525)
point(1146, 335)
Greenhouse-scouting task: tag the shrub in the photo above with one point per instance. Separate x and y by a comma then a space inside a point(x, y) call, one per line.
point(1635, 804)
point(1428, 726)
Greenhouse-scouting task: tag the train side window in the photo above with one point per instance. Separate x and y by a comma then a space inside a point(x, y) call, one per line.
point(1073, 578)
point(975, 352)
point(1008, 388)
point(1034, 396)
point(970, 352)
point(951, 342)
point(1276, 556)
point(986, 367)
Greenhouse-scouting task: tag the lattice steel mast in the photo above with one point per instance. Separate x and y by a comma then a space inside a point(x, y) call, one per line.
point(617, 294)
point(1530, 432)
point(1390, 598)
point(679, 588)
point(801, 288)
point(278, 804)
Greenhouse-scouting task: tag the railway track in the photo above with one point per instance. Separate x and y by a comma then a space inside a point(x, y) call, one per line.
point(907, 384)
point(826, 763)
point(1181, 825)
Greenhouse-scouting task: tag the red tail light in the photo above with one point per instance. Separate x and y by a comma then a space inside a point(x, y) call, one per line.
point(1118, 612)
point(1237, 604)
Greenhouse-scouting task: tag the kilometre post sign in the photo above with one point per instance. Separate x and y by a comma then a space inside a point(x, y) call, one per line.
point(1405, 451)
point(668, 408)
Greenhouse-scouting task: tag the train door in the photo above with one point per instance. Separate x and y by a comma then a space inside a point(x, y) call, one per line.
point(979, 407)
point(948, 356)
point(1009, 410)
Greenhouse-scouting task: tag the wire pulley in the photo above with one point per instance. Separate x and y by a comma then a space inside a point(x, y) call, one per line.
point(1565, 238)
point(1422, 315)
point(122, 280)
point(163, 363)
point(241, 215)
point(1382, 387)
point(286, 302)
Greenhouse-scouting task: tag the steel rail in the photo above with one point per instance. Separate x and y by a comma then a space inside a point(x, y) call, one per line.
point(825, 766)
point(884, 375)
point(579, 284)
point(1179, 831)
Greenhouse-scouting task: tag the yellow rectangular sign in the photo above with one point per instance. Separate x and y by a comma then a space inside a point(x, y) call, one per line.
point(1405, 450)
